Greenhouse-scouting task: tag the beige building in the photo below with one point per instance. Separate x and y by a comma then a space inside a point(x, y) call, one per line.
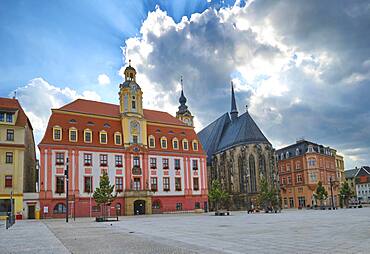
point(17, 160)
point(339, 166)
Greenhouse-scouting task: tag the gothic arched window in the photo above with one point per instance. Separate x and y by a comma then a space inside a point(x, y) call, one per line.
point(252, 169)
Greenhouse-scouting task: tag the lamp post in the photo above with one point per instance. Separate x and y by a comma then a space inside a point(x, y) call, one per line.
point(331, 191)
point(67, 189)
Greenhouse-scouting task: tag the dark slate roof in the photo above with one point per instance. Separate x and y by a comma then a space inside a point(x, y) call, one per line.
point(210, 136)
point(224, 133)
point(243, 130)
point(351, 172)
point(301, 147)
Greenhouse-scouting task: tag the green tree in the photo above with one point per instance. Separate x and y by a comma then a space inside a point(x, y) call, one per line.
point(268, 195)
point(321, 194)
point(217, 195)
point(103, 195)
point(345, 193)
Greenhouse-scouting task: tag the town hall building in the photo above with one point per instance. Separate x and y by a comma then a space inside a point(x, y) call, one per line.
point(155, 160)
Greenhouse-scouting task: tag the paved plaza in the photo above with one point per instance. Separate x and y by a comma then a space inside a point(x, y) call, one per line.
point(340, 231)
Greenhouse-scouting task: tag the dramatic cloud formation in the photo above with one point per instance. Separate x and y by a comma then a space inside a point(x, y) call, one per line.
point(103, 79)
point(38, 97)
point(303, 68)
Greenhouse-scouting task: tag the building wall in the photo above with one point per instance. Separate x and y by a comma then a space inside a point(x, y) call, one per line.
point(232, 169)
point(14, 169)
point(77, 171)
point(323, 169)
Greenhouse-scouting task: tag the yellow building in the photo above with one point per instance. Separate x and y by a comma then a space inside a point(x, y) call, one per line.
point(339, 166)
point(17, 160)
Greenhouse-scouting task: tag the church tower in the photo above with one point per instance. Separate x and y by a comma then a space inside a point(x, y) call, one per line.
point(184, 114)
point(131, 109)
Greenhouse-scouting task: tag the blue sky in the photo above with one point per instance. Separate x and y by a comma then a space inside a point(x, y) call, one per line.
point(72, 42)
point(302, 73)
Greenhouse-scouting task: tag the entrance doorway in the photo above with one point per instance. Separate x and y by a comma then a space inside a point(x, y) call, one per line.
point(139, 207)
point(31, 212)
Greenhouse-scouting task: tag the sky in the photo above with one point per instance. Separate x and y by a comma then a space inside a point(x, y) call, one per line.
point(301, 67)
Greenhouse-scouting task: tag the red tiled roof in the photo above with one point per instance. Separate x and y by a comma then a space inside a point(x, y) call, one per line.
point(13, 104)
point(112, 110)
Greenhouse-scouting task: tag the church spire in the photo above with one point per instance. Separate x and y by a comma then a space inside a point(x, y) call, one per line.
point(234, 111)
point(184, 114)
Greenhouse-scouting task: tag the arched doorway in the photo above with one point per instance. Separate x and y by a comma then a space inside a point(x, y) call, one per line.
point(139, 207)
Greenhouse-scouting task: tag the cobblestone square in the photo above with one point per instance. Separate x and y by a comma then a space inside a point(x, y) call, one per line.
point(340, 231)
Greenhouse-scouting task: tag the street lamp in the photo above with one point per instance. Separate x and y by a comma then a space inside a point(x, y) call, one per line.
point(67, 189)
point(331, 191)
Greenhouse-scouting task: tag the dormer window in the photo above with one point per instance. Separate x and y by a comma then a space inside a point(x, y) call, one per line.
point(164, 143)
point(9, 117)
point(87, 136)
point(297, 151)
point(281, 156)
point(106, 125)
point(72, 121)
point(185, 144)
point(175, 143)
point(73, 135)
point(195, 145)
point(57, 133)
point(117, 138)
point(151, 141)
point(103, 137)
point(287, 155)
point(310, 149)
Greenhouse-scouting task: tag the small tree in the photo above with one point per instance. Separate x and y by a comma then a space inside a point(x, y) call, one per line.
point(345, 193)
point(268, 195)
point(103, 195)
point(217, 195)
point(321, 194)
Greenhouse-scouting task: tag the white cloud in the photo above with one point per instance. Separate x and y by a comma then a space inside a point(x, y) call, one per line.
point(293, 73)
point(103, 79)
point(38, 97)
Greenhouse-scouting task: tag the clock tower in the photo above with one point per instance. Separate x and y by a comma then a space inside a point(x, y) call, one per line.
point(131, 109)
point(183, 113)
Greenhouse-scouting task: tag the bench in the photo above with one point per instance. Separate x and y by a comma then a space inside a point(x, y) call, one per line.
point(222, 213)
point(106, 218)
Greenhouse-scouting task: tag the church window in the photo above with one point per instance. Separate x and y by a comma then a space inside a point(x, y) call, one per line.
point(151, 141)
point(252, 168)
point(163, 142)
point(73, 135)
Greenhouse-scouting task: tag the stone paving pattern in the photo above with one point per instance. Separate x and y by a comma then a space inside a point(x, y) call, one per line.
point(340, 231)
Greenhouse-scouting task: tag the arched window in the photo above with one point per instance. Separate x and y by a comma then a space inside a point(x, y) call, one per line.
point(163, 142)
point(117, 138)
point(252, 169)
point(57, 133)
point(243, 175)
point(59, 208)
point(87, 136)
point(175, 143)
point(73, 136)
point(281, 156)
point(297, 151)
point(103, 137)
point(262, 165)
point(195, 145)
point(287, 155)
point(185, 144)
point(151, 141)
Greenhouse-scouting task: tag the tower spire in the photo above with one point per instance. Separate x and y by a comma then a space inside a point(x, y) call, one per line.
point(184, 114)
point(234, 111)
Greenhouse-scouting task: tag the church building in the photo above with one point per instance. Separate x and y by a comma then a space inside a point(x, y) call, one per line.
point(238, 155)
point(154, 160)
